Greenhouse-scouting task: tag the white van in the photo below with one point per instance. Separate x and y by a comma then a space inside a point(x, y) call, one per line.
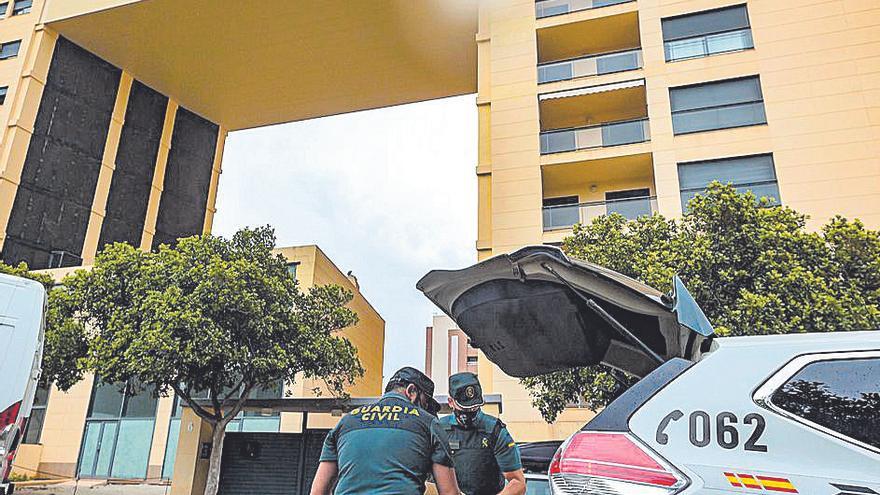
point(22, 314)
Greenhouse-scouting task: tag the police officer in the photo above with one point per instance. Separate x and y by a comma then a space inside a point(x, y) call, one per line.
point(388, 447)
point(484, 454)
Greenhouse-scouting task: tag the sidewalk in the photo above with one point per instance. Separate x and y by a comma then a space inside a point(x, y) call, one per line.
point(91, 487)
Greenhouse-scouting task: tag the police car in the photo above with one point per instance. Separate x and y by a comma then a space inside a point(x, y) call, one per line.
point(762, 415)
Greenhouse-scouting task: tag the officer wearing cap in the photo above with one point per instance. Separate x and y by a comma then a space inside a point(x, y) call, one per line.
point(487, 460)
point(390, 446)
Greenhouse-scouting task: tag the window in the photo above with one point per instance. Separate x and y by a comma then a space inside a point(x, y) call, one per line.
point(631, 204)
point(840, 395)
point(9, 50)
point(120, 414)
point(4, 6)
point(561, 212)
point(747, 173)
point(3, 91)
point(707, 33)
point(34, 428)
point(717, 105)
point(472, 360)
point(291, 268)
point(21, 7)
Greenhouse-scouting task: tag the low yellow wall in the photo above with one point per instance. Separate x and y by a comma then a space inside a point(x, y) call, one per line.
point(27, 460)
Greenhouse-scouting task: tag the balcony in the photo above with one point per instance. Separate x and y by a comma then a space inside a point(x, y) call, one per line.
point(589, 48)
point(597, 65)
point(580, 191)
point(599, 136)
point(565, 216)
point(548, 8)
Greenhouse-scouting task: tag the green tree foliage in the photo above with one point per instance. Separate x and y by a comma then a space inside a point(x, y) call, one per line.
point(211, 315)
point(64, 346)
point(754, 269)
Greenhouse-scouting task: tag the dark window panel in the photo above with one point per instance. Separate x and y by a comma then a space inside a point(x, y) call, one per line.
point(132, 180)
point(3, 91)
point(703, 23)
point(713, 94)
point(717, 105)
point(50, 213)
point(107, 399)
point(755, 173)
point(187, 178)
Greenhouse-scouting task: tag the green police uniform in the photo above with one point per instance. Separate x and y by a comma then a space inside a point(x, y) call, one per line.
point(387, 447)
point(485, 450)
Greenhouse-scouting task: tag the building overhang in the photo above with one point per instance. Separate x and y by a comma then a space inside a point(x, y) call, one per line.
point(250, 64)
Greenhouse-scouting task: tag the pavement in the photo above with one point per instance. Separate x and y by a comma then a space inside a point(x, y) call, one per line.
point(91, 487)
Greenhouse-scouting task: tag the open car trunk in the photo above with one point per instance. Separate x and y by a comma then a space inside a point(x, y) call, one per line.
point(536, 311)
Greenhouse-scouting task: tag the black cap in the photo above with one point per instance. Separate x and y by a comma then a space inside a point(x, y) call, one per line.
point(465, 390)
point(420, 380)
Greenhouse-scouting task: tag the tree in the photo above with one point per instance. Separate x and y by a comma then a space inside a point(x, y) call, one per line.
point(64, 345)
point(754, 268)
point(211, 316)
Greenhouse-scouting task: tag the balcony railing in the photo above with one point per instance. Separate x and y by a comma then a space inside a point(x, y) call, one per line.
point(564, 216)
point(590, 66)
point(710, 44)
point(600, 136)
point(547, 8)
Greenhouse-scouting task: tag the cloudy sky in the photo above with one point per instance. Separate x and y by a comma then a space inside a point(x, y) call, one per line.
point(388, 194)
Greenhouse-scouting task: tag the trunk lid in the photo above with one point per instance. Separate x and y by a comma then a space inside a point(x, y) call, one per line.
point(529, 312)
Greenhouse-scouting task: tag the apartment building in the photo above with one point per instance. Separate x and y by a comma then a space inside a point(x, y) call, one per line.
point(98, 430)
point(588, 107)
point(447, 351)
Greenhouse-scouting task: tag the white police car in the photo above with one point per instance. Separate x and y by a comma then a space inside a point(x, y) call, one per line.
point(762, 415)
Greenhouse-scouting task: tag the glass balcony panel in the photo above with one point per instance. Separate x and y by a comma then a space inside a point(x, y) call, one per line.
point(612, 134)
point(563, 217)
point(624, 133)
point(589, 138)
point(729, 42)
point(683, 49)
point(560, 217)
point(547, 8)
point(719, 118)
point(555, 72)
point(619, 62)
point(768, 190)
point(590, 66)
point(631, 208)
point(557, 142)
point(709, 44)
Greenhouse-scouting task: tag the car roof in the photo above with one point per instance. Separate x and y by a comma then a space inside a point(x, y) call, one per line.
point(826, 341)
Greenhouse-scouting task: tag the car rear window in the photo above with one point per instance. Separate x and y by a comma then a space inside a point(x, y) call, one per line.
point(841, 395)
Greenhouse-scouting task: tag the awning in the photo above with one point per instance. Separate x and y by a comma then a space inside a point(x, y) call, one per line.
point(592, 89)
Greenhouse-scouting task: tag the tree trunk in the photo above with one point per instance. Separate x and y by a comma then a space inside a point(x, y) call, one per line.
point(212, 484)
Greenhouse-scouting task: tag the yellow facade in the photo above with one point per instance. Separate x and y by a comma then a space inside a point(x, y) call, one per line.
point(817, 62)
point(58, 451)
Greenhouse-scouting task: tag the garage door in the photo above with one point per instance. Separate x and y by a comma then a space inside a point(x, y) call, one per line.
point(270, 463)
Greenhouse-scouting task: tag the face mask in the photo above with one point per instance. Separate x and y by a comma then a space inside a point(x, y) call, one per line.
point(466, 419)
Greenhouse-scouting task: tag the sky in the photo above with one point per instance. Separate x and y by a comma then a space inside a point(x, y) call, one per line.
point(389, 194)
